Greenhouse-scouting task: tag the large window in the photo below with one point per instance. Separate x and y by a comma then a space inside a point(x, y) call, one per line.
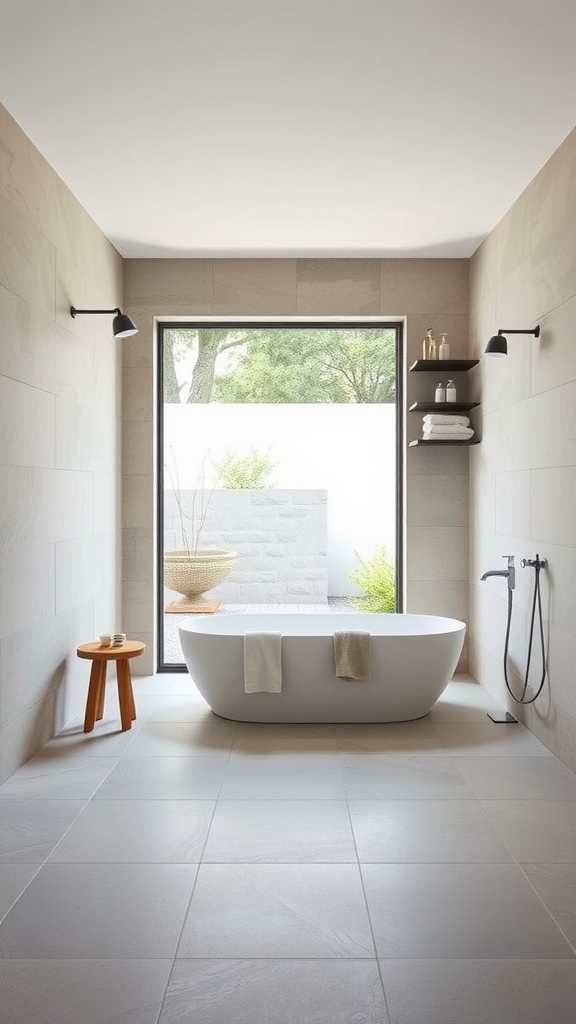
point(280, 446)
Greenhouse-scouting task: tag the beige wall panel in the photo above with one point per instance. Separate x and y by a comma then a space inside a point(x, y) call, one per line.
point(27, 260)
point(254, 287)
point(427, 286)
point(338, 287)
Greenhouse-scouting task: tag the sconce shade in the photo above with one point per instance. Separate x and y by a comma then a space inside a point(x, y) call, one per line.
point(497, 346)
point(122, 325)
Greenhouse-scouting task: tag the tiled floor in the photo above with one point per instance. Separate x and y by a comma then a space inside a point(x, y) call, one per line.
point(199, 871)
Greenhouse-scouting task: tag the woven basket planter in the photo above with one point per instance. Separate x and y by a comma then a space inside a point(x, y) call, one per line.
point(193, 575)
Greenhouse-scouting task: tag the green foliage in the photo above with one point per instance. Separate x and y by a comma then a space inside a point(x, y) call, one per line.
point(315, 366)
point(377, 577)
point(248, 472)
point(284, 364)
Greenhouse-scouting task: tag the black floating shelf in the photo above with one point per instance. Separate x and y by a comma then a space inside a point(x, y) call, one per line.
point(444, 364)
point(442, 406)
point(423, 442)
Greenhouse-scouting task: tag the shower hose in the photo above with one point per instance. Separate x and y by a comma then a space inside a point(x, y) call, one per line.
point(536, 604)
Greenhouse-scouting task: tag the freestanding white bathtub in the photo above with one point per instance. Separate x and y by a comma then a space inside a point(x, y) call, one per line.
point(413, 659)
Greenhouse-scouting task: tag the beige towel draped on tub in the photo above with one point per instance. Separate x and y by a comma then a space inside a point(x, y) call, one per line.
point(263, 662)
point(352, 654)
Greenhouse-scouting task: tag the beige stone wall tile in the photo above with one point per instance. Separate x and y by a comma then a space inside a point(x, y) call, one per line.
point(28, 437)
point(138, 397)
point(440, 500)
point(432, 287)
point(427, 598)
point(553, 500)
point(138, 555)
point(138, 501)
point(27, 516)
point(554, 270)
point(516, 306)
point(438, 553)
point(27, 260)
point(174, 287)
point(36, 351)
point(138, 608)
point(436, 461)
point(26, 571)
point(138, 446)
point(338, 287)
point(554, 354)
point(259, 287)
point(512, 506)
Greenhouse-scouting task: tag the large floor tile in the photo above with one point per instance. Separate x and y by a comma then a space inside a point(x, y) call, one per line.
point(13, 880)
point(536, 830)
point(164, 684)
point(138, 831)
point(465, 691)
point(183, 739)
point(277, 911)
point(88, 911)
point(164, 778)
point(517, 778)
point(274, 992)
point(279, 737)
point(82, 991)
point(489, 739)
point(59, 778)
point(480, 991)
point(30, 829)
point(556, 887)
point(283, 777)
point(172, 708)
point(420, 831)
point(402, 777)
point(106, 740)
point(393, 737)
point(283, 831)
point(453, 911)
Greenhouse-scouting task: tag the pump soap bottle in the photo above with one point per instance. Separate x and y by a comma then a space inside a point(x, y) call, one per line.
point(450, 391)
point(444, 350)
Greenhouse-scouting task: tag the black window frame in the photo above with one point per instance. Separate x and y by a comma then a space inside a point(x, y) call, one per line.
point(232, 324)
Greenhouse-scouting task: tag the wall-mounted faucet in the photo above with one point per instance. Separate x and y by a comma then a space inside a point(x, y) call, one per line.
point(509, 573)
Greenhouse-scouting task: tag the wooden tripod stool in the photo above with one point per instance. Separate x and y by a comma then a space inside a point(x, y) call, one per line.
point(100, 656)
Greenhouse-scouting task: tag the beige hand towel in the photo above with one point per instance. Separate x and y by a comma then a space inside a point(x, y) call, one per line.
point(263, 662)
point(352, 654)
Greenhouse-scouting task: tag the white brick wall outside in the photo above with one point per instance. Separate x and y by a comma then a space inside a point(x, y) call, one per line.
point(281, 537)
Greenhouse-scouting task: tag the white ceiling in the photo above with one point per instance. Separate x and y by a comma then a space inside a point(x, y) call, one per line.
point(292, 127)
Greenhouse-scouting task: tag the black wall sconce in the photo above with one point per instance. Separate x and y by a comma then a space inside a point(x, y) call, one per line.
point(122, 325)
point(498, 345)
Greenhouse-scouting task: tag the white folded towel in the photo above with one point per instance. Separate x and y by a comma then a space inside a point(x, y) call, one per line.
point(441, 419)
point(455, 428)
point(263, 662)
point(461, 435)
point(352, 654)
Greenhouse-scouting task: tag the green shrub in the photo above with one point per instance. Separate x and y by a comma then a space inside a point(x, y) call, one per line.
point(248, 472)
point(377, 577)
